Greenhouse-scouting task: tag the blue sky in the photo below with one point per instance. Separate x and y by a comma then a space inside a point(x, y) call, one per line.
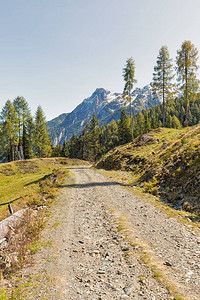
point(56, 53)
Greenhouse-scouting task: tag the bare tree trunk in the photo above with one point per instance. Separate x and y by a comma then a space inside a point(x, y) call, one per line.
point(186, 113)
point(186, 98)
point(11, 151)
point(163, 125)
point(131, 118)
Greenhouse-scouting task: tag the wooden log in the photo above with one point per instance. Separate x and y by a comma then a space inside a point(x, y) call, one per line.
point(11, 222)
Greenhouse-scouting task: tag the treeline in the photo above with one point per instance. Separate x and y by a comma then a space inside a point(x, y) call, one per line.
point(96, 141)
point(18, 127)
point(22, 136)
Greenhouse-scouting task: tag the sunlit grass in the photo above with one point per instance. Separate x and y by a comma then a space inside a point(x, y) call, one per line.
point(19, 180)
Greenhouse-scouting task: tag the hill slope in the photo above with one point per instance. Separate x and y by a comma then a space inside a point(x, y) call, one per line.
point(165, 162)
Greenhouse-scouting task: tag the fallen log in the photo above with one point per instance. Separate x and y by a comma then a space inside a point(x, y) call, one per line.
point(11, 222)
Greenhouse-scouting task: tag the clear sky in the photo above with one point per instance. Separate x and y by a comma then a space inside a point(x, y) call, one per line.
point(55, 53)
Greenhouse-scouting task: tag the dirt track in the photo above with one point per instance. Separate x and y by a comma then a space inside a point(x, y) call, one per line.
point(90, 259)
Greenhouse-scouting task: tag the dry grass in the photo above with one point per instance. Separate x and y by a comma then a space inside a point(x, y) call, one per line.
point(168, 165)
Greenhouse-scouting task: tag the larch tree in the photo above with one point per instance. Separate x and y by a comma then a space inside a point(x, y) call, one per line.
point(23, 118)
point(129, 78)
point(42, 141)
point(28, 137)
point(162, 78)
point(8, 131)
point(186, 69)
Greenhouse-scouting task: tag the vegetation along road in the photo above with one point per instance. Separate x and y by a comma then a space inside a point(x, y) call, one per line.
point(108, 243)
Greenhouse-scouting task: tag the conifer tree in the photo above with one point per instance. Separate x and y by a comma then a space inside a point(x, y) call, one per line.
point(72, 147)
point(28, 138)
point(22, 112)
point(86, 141)
point(162, 78)
point(42, 142)
point(175, 122)
point(8, 131)
point(129, 78)
point(187, 67)
point(23, 117)
point(147, 124)
point(94, 139)
point(124, 128)
point(65, 150)
point(112, 133)
point(56, 151)
point(141, 123)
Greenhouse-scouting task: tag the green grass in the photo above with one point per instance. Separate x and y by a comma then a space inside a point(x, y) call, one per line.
point(56, 225)
point(3, 294)
point(178, 297)
point(37, 245)
point(19, 181)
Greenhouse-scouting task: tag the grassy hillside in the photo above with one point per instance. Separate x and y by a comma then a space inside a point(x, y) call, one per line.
point(19, 180)
point(165, 162)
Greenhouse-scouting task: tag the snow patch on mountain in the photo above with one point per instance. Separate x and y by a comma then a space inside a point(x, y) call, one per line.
point(106, 105)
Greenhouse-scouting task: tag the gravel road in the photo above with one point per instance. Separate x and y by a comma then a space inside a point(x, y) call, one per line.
point(90, 258)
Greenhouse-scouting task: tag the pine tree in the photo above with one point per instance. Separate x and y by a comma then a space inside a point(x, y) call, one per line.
point(187, 67)
point(124, 128)
point(162, 77)
point(42, 142)
point(129, 78)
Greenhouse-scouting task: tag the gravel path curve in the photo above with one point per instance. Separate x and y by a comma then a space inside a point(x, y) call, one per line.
point(91, 260)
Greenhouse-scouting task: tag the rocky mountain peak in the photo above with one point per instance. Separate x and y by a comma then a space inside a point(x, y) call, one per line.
point(106, 105)
point(99, 96)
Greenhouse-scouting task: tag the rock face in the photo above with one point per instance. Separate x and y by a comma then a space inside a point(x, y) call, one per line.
point(106, 105)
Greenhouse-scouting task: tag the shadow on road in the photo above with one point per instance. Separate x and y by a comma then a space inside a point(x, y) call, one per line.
point(79, 168)
point(91, 184)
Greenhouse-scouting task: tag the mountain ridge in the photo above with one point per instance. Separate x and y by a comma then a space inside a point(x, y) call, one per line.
point(106, 106)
